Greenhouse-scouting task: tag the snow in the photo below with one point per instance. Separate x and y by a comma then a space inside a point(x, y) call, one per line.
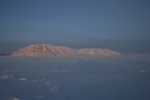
point(75, 78)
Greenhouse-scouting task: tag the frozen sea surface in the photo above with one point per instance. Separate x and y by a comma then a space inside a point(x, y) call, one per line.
point(75, 78)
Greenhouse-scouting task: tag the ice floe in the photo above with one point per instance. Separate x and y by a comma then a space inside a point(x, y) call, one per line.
point(22, 79)
point(14, 99)
point(6, 76)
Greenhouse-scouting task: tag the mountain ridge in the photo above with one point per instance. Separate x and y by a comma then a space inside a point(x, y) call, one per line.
point(50, 50)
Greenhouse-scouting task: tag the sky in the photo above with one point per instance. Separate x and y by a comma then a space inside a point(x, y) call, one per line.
point(121, 25)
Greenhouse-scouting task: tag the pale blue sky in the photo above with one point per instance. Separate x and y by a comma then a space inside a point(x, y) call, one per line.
point(122, 25)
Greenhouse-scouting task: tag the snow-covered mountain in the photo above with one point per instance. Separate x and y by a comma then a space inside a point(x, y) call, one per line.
point(100, 52)
point(50, 50)
point(44, 50)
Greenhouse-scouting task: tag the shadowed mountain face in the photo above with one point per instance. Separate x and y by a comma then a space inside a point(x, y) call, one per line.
point(4, 54)
point(50, 50)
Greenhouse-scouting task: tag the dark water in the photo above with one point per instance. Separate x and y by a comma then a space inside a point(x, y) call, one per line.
point(75, 78)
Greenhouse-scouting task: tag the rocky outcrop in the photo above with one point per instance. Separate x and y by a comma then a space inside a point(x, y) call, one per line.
point(50, 50)
point(99, 52)
point(44, 50)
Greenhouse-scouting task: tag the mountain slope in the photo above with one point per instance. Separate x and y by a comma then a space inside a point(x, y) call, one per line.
point(101, 52)
point(44, 50)
point(50, 50)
